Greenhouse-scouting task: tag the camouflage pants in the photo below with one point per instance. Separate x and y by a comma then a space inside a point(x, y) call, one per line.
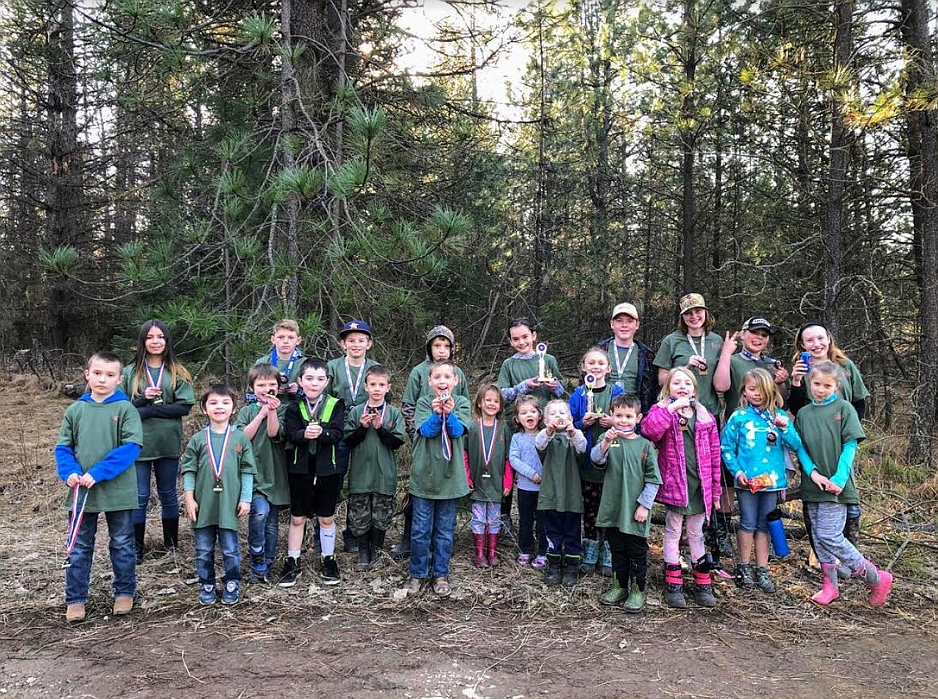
point(367, 510)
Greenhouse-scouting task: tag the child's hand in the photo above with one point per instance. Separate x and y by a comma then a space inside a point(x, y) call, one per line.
point(192, 507)
point(696, 361)
point(609, 436)
point(641, 514)
point(571, 430)
point(797, 372)
point(87, 480)
point(822, 482)
point(730, 344)
point(742, 480)
point(833, 487)
point(376, 421)
point(272, 404)
point(552, 384)
point(366, 419)
point(781, 375)
point(549, 427)
point(437, 405)
point(292, 388)
point(506, 492)
point(781, 421)
point(589, 419)
point(532, 383)
point(449, 405)
point(606, 421)
point(244, 508)
point(717, 506)
point(536, 478)
point(313, 430)
point(683, 402)
point(73, 480)
point(151, 392)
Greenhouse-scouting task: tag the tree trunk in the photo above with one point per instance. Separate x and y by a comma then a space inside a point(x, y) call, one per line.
point(688, 145)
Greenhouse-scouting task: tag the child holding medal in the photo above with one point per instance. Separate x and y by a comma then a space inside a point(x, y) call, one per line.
point(632, 482)
point(161, 390)
point(373, 432)
point(218, 479)
point(687, 438)
point(752, 446)
point(589, 406)
point(490, 475)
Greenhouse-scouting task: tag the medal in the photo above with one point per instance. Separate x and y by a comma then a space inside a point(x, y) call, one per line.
point(156, 400)
point(772, 436)
point(702, 368)
point(217, 462)
point(487, 448)
point(353, 388)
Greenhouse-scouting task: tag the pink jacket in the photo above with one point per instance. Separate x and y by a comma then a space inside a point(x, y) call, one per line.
point(662, 428)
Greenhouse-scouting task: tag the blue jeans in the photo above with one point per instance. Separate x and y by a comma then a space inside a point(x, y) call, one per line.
point(263, 528)
point(754, 508)
point(433, 528)
point(167, 473)
point(123, 556)
point(205, 538)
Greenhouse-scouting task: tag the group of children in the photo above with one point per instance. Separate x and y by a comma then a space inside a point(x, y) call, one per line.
point(587, 470)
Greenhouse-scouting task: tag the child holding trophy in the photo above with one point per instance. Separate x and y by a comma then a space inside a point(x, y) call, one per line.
point(589, 406)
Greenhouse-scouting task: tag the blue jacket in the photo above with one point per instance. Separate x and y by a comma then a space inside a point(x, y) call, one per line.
point(746, 448)
point(648, 383)
point(578, 410)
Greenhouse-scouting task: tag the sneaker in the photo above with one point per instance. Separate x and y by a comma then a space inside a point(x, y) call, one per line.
point(231, 594)
point(539, 562)
point(524, 559)
point(763, 581)
point(75, 613)
point(329, 571)
point(256, 576)
point(207, 594)
point(744, 576)
point(291, 572)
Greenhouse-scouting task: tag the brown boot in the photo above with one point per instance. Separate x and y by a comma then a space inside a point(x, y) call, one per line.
point(75, 613)
point(123, 605)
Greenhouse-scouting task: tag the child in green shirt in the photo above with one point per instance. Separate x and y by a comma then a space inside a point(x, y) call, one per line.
point(99, 441)
point(218, 479)
point(285, 356)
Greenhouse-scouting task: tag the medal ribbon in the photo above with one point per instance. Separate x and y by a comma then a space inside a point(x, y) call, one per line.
point(620, 368)
point(487, 450)
point(353, 388)
point(447, 445)
point(159, 377)
point(218, 464)
point(703, 345)
point(75, 517)
point(313, 408)
point(293, 358)
point(767, 416)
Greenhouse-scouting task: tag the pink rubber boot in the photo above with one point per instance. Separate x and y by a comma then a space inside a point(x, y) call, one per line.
point(829, 591)
point(880, 591)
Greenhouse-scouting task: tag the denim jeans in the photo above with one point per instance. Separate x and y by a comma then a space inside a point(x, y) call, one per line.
point(433, 530)
point(205, 538)
point(754, 508)
point(123, 556)
point(167, 472)
point(263, 528)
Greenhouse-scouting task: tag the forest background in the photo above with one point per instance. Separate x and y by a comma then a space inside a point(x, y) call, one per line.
point(221, 165)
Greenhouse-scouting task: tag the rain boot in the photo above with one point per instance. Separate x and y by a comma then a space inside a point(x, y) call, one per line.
point(674, 586)
point(614, 595)
point(606, 559)
point(402, 550)
point(170, 534)
point(139, 535)
point(829, 592)
point(571, 570)
point(704, 587)
point(479, 560)
point(364, 552)
point(590, 556)
point(636, 601)
point(492, 540)
point(553, 572)
point(377, 547)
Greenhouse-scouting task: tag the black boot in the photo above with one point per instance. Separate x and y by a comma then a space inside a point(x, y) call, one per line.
point(364, 552)
point(170, 534)
point(377, 546)
point(553, 572)
point(571, 569)
point(402, 550)
point(349, 541)
point(718, 535)
point(139, 533)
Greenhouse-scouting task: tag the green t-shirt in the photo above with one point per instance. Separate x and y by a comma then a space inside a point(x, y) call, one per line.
point(432, 476)
point(630, 464)
point(340, 386)
point(852, 388)
point(824, 430)
point(372, 465)
point(695, 501)
point(517, 369)
point(162, 436)
point(283, 365)
point(560, 479)
point(487, 481)
point(93, 430)
point(418, 384)
point(602, 397)
point(218, 509)
point(269, 456)
point(675, 351)
point(627, 361)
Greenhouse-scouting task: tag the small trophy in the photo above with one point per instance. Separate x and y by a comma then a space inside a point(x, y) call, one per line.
point(542, 375)
point(589, 381)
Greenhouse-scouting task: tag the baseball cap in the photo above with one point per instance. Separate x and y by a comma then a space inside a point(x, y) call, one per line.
point(692, 301)
point(355, 326)
point(758, 323)
point(626, 308)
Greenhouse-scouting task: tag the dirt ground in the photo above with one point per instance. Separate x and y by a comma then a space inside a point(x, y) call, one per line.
point(501, 634)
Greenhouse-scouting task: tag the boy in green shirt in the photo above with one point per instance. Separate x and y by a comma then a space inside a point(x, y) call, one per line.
point(262, 423)
point(373, 431)
point(218, 478)
point(99, 441)
point(285, 356)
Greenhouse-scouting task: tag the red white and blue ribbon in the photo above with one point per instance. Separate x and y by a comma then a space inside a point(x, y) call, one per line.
point(79, 499)
point(447, 445)
point(487, 449)
point(218, 463)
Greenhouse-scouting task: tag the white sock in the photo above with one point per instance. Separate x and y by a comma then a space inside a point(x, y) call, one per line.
point(294, 554)
point(327, 540)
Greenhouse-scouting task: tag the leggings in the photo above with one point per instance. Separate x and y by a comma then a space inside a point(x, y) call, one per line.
point(672, 535)
point(592, 494)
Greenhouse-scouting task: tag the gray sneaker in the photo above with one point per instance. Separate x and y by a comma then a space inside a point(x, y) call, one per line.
point(744, 576)
point(763, 582)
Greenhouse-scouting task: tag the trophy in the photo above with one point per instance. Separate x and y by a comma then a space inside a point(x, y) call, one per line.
point(542, 374)
point(589, 381)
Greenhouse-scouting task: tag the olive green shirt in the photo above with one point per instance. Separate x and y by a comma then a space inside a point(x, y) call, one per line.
point(269, 456)
point(93, 430)
point(627, 380)
point(372, 463)
point(602, 397)
point(514, 370)
point(282, 364)
point(418, 384)
point(432, 476)
point(560, 480)
point(162, 437)
point(630, 464)
point(676, 351)
point(339, 386)
point(487, 488)
point(218, 509)
point(824, 430)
